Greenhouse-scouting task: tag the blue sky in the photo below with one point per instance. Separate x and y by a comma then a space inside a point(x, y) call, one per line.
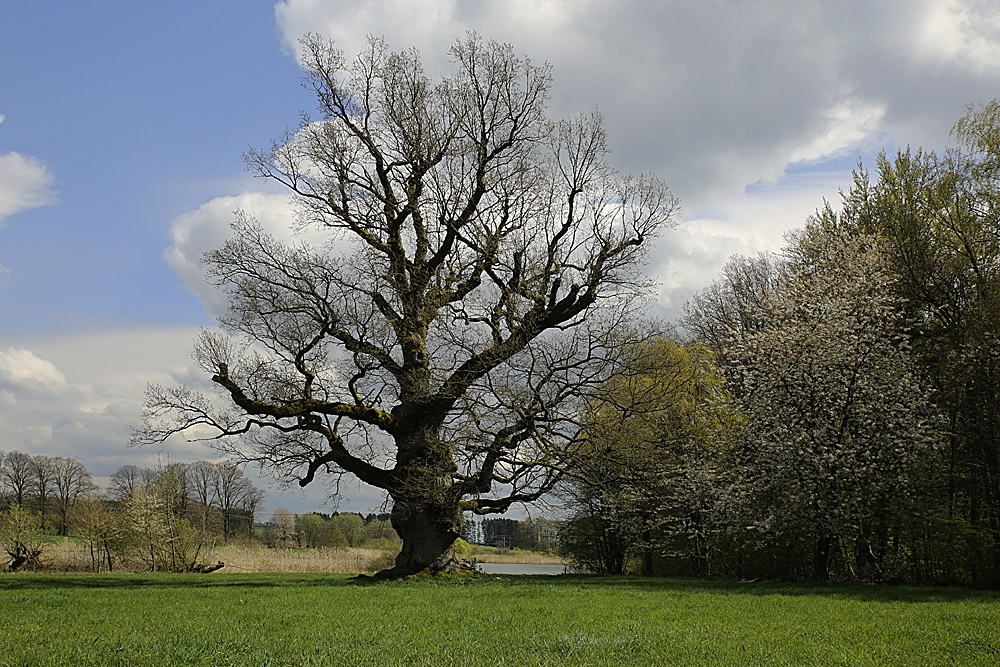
point(140, 111)
point(123, 125)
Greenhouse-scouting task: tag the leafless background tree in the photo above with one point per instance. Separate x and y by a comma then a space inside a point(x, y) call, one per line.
point(15, 473)
point(71, 480)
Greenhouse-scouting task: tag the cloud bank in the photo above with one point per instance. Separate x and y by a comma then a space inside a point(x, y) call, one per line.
point(715, 95)
point(743, 108)
point(57, 401)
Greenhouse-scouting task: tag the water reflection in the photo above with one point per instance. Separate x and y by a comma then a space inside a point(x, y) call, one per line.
point(522, 568)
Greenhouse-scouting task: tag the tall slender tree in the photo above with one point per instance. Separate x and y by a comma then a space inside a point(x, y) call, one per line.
point(938, 217)
point(42, 482)
point(71, 480)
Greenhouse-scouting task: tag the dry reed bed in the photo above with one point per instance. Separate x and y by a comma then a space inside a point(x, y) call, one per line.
point(256, 558)
point(69, 556)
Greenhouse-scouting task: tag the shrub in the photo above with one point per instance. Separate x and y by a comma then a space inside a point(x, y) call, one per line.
point(21, 538)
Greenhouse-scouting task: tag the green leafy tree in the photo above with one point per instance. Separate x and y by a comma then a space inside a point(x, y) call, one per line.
point(655, 430)
point(936, 216)
point(21, 535)
point(351, 526)
point(102, 528)
point(379, 534)
point(315, 531)
point(156, 534)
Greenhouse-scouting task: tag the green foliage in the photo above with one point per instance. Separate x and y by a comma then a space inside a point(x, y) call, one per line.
point(655, 432)
point(593, 541)
point(21, 538)
point(936, 218)
point(552, 621)
point(102, 528)
point(351, 526)
point(835, 414)
point(155, 533)
point(866, 363)
point(379, 534)
point(462, 548)
point(314, 530)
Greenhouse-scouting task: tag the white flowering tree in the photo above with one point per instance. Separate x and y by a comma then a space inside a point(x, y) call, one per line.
point(835, 416)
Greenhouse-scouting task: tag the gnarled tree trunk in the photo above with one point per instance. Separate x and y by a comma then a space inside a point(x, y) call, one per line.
point(428, 531)
point(426, 513)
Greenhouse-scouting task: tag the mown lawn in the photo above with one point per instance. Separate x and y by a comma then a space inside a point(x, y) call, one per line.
point(294, 619)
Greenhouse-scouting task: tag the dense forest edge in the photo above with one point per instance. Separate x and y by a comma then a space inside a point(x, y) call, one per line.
point(833, 411)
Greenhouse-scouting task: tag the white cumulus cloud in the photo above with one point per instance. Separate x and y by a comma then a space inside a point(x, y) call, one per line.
point(961, 32)
point(689, 258)
point(21, 371)
point(207, 228)
point(25, 183)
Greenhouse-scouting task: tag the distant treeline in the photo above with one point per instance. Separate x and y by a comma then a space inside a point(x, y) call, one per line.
point(151, 518)
point(531, 534)
point(348, 529)
point(49, 486)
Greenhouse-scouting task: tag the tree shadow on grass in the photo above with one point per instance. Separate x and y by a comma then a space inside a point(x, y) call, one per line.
point(872, 592)
point(650, 585)
point(26, 581)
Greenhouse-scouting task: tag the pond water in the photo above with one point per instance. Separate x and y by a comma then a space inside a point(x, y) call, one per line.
point(521, 568)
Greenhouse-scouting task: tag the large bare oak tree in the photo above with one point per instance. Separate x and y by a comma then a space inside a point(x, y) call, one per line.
point(482, 262)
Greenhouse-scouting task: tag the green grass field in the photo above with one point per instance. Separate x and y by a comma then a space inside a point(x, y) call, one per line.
point(296, 619)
